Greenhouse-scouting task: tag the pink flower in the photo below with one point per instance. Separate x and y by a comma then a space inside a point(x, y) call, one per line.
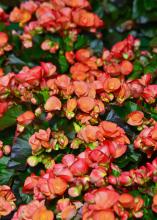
point(30, 76)
point(53, 104)
point(101, 198)
point(49, 69)
point(79, 167)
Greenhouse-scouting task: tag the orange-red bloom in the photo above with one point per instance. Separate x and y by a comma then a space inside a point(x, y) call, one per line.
point(43, 214)
point(111, 84)
point(154, 205)
point(126, 67)
point(26, 118)
point(135, 118)
point(86, 104)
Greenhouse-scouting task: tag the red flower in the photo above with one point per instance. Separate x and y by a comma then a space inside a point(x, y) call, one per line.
point(30, 76)
point(30, 183)
point(20, 15)
point(82, 55)
point(49, 69)
point(79, 71)
point(79, 167)
point(103, 198)
point(26, 118)
point(3, 108)
point(126, 200)
point(126, 67)
point(150, 93)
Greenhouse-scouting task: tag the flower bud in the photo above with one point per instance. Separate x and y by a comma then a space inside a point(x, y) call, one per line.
point(7, 149)
point(32, 161)
point(75, 191)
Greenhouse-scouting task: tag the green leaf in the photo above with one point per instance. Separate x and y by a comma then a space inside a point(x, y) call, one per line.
point(68, 44)
point(82, 41)
point(114, 117)
point(127, 108)
point(153, 42)
point(138, 8)
point(149, 4)
point(45, 94)
point(63, 63)
point(10, 116)
point(97, 46)
point(5, 173)
point(21, 150)
point(137, 71)
point(131, 159)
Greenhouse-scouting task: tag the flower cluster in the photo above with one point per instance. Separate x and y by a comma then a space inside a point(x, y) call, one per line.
point(64, 16)
point(47, 140)
point(7, 200)
point(34, 210)
point(74, 133)
point(135, 177)
point(147, 140)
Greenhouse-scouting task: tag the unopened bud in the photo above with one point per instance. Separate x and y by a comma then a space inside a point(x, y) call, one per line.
point(32, 161)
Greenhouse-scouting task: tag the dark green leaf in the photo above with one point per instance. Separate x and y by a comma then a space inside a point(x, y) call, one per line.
point(114, 117)
point(21, 150)
point(63, 63)
point(127, 108)
point(5, 173)
point(137, 71)
point(10, 116)
point(153, 42)
point(82, 41)
point(138, 8)
point(97, 46)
